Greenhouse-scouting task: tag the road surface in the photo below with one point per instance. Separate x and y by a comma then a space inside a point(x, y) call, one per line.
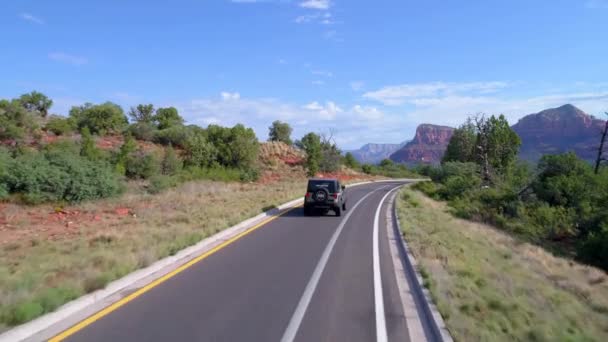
point(296, 278)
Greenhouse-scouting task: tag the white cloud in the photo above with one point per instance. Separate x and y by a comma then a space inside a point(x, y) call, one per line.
point(357, 85)
point(318, 82)
point(367, 113)
point(282, 61)
point(227, 96)
point(67, 58)
point(323, 73)
point(322, 18)
point(327, 112)
point(404, 93)
point(29, 17)
point(316, 4)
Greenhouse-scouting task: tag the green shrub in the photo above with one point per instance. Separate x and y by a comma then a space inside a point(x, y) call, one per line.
point(212, 173)
point(167, 117)
point(594, 248)
point(160, 183)
point(237, 147)
point(141, 165)
point(250, 175)
point(199, 152)
point(143, 131)
point(171, 164)
point(88, 147)
point(553, 223)
point(60, 125)
point(100, 119)
point(175, 136)
point(58, 176)
point(455, 186)
point(431, 189)
point(5, 165)
point(15, 121)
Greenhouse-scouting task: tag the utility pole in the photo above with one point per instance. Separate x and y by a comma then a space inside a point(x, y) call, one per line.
point(600, 150)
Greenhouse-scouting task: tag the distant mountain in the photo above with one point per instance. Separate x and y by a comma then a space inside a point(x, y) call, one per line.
point(374, 153)
point(559, 130)
point(427, 147)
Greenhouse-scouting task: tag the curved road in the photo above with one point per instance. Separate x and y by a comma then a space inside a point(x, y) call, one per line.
point(296, 278)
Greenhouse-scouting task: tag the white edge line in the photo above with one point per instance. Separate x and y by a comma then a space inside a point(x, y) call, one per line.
point(381, 334)
point(294, 323)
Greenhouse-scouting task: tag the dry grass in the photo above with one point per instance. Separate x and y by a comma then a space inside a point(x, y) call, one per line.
point(50, 255)
point(492, 287)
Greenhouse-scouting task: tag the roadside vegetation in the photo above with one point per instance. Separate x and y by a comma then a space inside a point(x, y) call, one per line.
point(560, 204)
point(491, 286)
point(91, 197)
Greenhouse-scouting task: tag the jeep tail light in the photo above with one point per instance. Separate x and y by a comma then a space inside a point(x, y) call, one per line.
point(335, 196)
point(308, 195)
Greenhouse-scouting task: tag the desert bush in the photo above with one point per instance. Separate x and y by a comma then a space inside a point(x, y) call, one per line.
point(167, 117)
point(215, 173)
point(100, 119)
point(146, 131)
point(429, 188)
point(177, 136)
point(5, 166)
point(594, 248)
point(60, 125)
point(237, 147)
point(141, 165)
point(54, 175)
point(160, 183)
point(455, 186)
point(199, 152)
point(171, 163)
point(249, 175)
point(15, 121)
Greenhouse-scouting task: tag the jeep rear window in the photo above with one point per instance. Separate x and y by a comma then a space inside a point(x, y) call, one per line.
point(315, 185)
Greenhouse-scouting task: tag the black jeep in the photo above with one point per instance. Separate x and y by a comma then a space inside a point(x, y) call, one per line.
point(323, 195)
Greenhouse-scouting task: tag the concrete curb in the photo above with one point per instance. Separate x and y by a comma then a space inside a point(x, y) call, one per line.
point(422, 296)
point(50, 324)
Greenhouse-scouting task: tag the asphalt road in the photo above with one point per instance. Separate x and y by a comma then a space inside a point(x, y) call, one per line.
point(296, 278)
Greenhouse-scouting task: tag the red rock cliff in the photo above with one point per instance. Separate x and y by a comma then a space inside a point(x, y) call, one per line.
point(558, 130)
point(427, 147)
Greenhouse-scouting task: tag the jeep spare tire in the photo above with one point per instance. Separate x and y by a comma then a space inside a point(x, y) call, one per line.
point(321, 195)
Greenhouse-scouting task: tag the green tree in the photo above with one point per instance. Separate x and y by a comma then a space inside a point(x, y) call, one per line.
point(280, 131)
point(351, 161)
point(496, 145)
point(199, 151)
point(237, 147)
point(311, 143)
point(60, 125)
point(385, 163)
point(461, 147)
point(167, 117)
point(15, 121)
point(128, 146)
point(142, 113)
point(100, 119)
point(171, 164)
point(88, 149)
point(36, 102)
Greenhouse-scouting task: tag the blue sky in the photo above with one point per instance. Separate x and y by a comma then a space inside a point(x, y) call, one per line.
point(371, 71)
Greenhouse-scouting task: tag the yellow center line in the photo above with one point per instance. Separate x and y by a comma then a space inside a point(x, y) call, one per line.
point(91, 319)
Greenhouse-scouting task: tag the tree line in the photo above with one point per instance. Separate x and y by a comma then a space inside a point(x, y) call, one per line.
point(560, 203)
point(74, 169)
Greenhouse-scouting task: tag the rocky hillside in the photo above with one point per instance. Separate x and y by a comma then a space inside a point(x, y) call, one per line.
point(559, 130)
point(374, 153)
point(427, 147)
